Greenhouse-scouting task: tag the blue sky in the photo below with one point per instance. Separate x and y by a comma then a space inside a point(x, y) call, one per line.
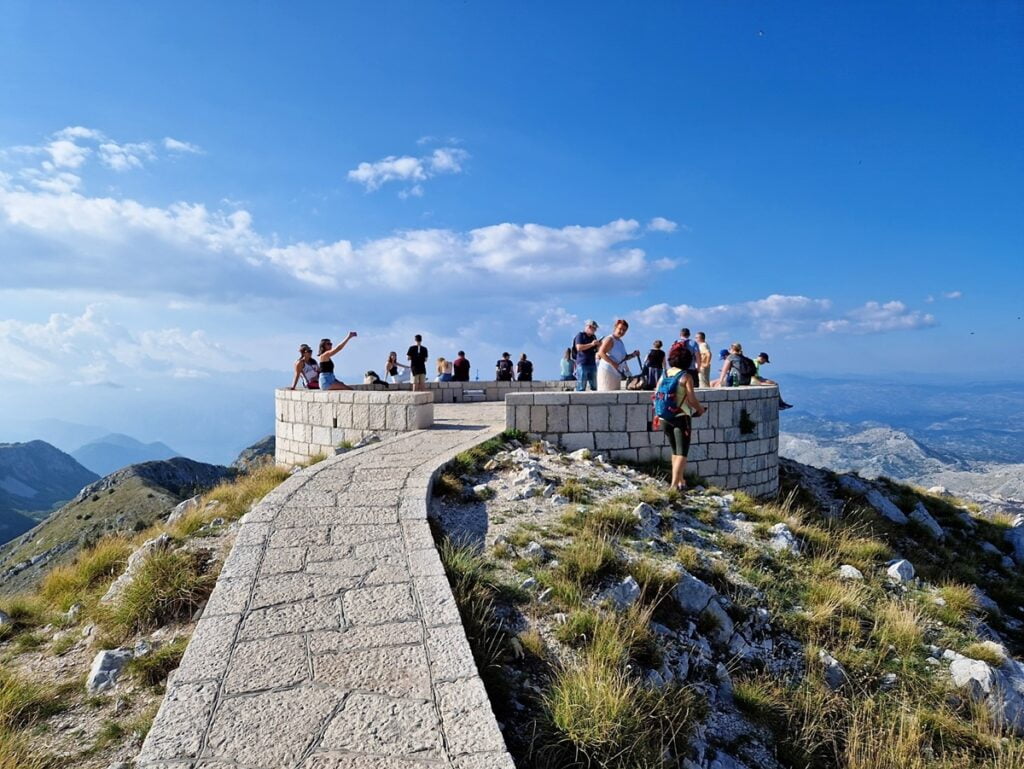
point(189, 190)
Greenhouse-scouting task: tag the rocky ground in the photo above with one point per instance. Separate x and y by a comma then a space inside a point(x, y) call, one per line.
point(796, 630)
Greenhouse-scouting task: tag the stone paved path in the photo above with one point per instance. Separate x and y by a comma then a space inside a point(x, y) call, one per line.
point(332, 640)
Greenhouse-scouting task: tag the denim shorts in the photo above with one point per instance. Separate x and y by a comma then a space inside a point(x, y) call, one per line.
point(327, 378)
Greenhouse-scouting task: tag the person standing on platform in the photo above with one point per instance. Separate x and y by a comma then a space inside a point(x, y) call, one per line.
point(417, 355)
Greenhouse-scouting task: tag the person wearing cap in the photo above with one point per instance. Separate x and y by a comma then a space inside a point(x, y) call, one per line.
point(585, 345)
point(758, 379)
point(307, 368)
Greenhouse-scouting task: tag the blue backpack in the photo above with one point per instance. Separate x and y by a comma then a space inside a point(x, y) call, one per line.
point(665, 406)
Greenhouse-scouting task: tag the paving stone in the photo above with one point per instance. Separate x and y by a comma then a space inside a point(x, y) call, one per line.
point(300, 537)
point(283, 560)
point(229, 597)
point(242, 562)
point(489, 760)
point(450, 655)
point(467, 719)
point(365, 637)
point(289, 588)
point(178, 728)
point(369, 723)
point(355, 761)
point(439, 607)
point(384, 549)
point(396, 671)
point(374, 605)
point(252, 534)
point(425, 563)
point(342, 534)
point(314, 614)
point(209, 648)
point(271, 729)
point(267, 663)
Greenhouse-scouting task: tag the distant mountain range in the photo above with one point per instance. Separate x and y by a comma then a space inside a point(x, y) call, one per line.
point(966, 437)
point(35, 478)
point(113, 451)
point(129, 499)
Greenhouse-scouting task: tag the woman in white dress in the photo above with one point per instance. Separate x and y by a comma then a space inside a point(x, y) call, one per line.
point(612, 357)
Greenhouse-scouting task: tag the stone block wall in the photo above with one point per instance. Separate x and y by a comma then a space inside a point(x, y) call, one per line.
point(617, 425)
point(452, 392)
point(311, 422)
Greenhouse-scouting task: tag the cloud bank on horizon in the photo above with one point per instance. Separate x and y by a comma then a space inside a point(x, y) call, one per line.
point(525, 280)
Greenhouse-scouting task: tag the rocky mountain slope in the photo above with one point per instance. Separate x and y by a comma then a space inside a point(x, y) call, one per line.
point(35, 477)
point(127, 500)
point(114, 451)
point(883, 451)
point(846, 623)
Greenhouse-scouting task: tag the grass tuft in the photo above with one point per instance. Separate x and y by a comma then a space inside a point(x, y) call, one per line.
point(153, 668)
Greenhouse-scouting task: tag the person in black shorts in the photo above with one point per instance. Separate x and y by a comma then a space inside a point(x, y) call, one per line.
point(678, 428)
point(417, 355)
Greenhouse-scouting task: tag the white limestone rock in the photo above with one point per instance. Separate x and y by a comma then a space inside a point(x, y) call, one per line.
point(834, 672)
point(1002, 688)
point(846, 571)
point(783, 540)
point(184, 508)
point(106, 668)
point(900, 571)
point(692, 594)
point(939, 491)
point(647, 519)
point(1015, 536)
point(622, 595)
point(535, 551)
point(5, 618)
point(921, 516)
point(885, 506)
point(853, 484)
point(135, 561)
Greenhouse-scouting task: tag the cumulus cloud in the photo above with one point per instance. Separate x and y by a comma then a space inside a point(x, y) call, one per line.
point(174, 145)
point(788, 315)
point(952, 294)
point(556, 320)
point(661, 224)
point(93, 350)
point(406, 169)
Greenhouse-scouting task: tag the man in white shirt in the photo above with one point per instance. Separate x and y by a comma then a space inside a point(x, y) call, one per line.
point(704, 370)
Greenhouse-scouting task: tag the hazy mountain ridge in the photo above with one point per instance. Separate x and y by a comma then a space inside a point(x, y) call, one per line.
point(116, 450)
point(128, 499)
point(35, 477)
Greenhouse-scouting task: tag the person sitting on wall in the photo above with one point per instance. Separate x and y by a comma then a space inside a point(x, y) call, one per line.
point(737, 369)
point(326, 353)
point(675, 402)
point(444, 370)
point(567, 366)
point(391, 368)
point(307, 368)
point(503, 368)
point(757, 379)
point(460, 368)
point(524, 369)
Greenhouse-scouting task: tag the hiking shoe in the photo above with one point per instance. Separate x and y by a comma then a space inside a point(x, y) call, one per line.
point(783, 405)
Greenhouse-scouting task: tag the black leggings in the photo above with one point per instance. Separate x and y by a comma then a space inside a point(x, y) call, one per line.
point(678, 431)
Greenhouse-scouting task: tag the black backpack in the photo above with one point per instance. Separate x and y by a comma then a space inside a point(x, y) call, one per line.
point(504, 370)
point(747, 369)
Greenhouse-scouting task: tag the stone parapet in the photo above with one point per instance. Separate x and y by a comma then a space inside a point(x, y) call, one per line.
point(727, 450)
point(485, 390)
point(311, 422)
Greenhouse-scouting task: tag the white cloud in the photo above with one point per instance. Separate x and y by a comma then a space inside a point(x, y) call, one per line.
point(952, 294)
point(64, 153)
point(174, 145)
point(661, 224)
point(93, 350)
point(781, 315)
point(556, 319)
point(406, 169)
point(123, 157)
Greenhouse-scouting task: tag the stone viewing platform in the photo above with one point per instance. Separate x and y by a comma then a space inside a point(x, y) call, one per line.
point(332, 639)
point(735, 444)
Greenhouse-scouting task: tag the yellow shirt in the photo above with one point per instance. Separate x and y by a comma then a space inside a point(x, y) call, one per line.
point(684, 407)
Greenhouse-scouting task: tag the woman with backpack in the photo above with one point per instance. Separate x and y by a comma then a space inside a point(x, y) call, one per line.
point(737, 369)
point(307, 369)
point(675, 402)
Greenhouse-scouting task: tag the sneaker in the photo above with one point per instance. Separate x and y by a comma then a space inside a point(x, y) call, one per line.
point(783, 405)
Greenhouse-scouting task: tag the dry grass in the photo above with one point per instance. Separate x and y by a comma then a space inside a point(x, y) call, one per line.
point(88, 575)
point(900, 624)
point(986, 652)
point(588, 558)
point(574, 490)
point(239, 495)
point(169, 586)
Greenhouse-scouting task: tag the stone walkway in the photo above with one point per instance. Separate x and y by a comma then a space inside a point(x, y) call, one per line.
point(332, 640)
